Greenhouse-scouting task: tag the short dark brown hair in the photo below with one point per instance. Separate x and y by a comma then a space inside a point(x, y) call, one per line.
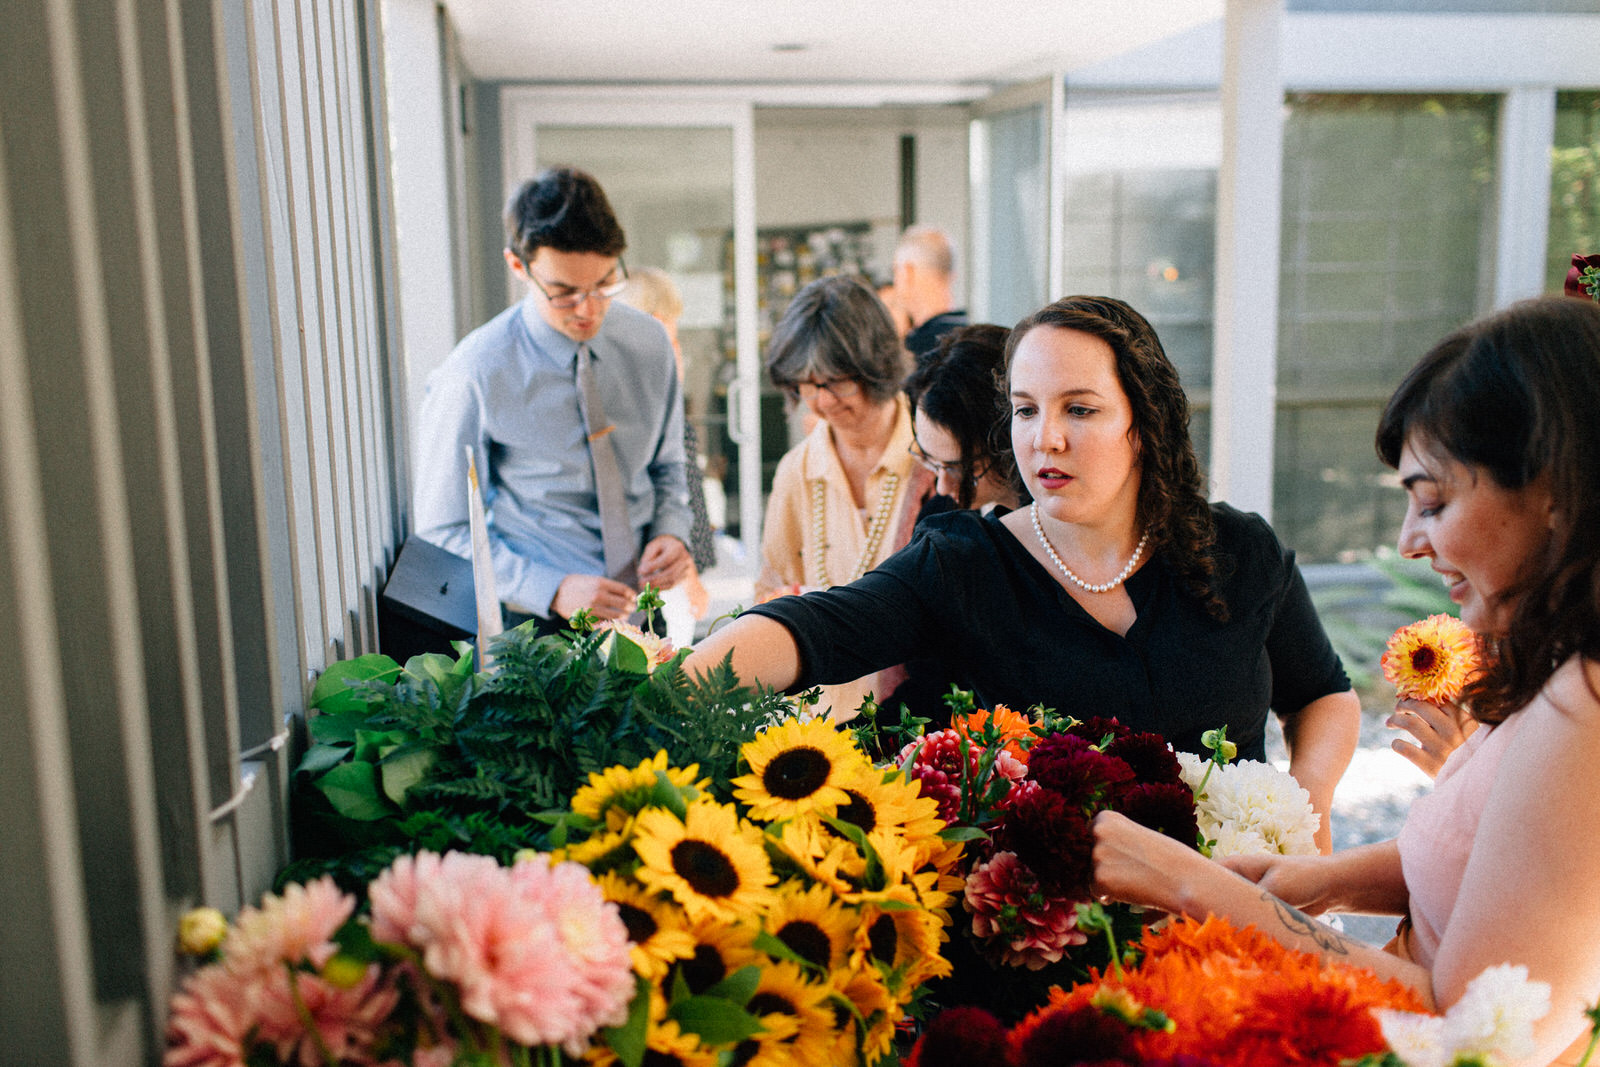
point(565, 209)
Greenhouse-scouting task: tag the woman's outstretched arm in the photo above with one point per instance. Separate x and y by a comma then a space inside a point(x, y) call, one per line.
point(764, 652)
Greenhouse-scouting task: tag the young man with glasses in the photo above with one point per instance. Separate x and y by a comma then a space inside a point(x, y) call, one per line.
point(523, 392)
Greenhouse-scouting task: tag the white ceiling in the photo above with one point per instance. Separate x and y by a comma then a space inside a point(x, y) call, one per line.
point(850, 41)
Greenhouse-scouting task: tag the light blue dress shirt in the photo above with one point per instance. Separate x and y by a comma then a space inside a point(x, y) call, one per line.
point(509, 391)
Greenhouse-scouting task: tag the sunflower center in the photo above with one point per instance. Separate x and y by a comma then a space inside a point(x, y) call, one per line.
point(797, 773)
point(705, 867)
point(859, 812)
point(652, 1058)
point(767, 1003)
point(808, 941)
point(641, 925)
point(1424, 659)
point(884, 939)
point(704, 970)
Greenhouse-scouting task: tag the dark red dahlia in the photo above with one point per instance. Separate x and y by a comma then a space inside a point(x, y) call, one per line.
point(961, 1037)
point(1075, 1036)
point(1053, 838)
point(1165, 807)
point(1151, 758)
point(1067, 765)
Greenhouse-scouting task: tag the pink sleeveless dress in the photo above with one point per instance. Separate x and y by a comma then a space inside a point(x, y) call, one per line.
point(1436, 840)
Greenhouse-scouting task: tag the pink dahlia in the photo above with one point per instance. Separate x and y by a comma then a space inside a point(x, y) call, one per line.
point(296, 927)
point(938, 768)
point(1012, 915)
point(534, 950)
point(210, 1018)
point(347, 1019)
point(394, 898)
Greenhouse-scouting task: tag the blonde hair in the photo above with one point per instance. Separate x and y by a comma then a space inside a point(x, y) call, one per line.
point(651, 290)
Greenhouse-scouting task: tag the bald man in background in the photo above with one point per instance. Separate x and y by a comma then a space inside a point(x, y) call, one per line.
point(924, 266)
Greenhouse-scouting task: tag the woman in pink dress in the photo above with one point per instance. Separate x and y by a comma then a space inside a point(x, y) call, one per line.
point(1495, 439)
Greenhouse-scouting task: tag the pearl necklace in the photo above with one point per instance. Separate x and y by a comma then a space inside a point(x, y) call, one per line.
point(875, 529)
point(1103, 587)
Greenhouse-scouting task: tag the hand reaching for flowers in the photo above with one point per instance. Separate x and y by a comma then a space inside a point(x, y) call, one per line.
point(1134, 864)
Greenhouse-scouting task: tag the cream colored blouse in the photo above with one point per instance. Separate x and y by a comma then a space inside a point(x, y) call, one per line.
point(813, 536)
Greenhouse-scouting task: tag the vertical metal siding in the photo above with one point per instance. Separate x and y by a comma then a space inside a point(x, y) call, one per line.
point(201, 481)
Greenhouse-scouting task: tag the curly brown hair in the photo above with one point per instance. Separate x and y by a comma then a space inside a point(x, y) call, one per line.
point(1172, 504)
point(1513, 396)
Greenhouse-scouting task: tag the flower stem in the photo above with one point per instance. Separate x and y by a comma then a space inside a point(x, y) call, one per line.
point(1594, 1035)
point(306, 1019)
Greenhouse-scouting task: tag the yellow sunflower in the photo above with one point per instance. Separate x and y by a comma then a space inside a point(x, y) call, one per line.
point(617, 792)
point(607, 850)
point(796, 1015)
point(712, 862)
point(1432, 659)
point(867, 1032)
point(884, 804)
point(666, 1046)
point(813, 924)
point(797, 767)
point(904, 942)
point(720, 948)
point(821, 854)
point(656, 926)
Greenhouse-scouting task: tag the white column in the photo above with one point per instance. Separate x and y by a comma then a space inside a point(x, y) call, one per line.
point(1522, 215)
point(1249, 199)
point(418, 126)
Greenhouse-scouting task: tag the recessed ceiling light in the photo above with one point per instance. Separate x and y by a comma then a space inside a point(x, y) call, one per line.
point(790, 46)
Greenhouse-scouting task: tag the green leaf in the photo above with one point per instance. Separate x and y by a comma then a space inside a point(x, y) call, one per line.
point(371, 745)
point(335, 691)
point(739, 986)
point(716, 1021)
point(402, 772)
point(335, 727)
point(962, 833)
point(628, 1040)
point(319, 758)
point(352, 789)
point(627, 656)
point(354, 939)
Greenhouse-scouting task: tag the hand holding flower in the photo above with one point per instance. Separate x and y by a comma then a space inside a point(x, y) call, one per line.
point(1439, 729)
point(1136, 865)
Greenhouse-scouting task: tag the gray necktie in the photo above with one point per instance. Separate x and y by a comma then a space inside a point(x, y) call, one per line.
point(615, 529)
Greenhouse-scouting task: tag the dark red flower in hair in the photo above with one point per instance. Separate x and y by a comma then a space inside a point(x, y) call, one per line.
point(1583, 278)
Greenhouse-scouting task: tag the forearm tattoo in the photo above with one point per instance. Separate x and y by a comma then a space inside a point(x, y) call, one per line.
point(1298, 922)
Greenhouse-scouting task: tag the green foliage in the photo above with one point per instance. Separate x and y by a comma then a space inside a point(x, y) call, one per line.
point(436, 756)
point(1360, 624)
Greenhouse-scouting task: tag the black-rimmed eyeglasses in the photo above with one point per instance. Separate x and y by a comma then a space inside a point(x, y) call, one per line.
point(573, 297)
point(838, 388)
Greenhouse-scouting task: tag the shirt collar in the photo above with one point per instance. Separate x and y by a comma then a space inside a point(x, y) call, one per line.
point(547, 340)
point(820, 456)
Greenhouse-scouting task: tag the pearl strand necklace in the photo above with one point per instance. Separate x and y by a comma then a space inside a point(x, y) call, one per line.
point(1103, 587)
point(875, 529)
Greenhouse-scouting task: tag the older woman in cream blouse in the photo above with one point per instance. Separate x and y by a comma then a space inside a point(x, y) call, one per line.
point(845, 498)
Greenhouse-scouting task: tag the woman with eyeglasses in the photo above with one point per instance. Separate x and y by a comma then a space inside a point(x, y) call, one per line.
point(958, 410)
point(1118, 592)
point(845, 498)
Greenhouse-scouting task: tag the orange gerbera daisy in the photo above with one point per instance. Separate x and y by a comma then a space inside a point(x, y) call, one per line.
point(1433, 659)
point(1016, 731)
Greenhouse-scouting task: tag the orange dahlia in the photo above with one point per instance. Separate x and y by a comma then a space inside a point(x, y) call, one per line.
point(1433, 659)
point(1236, 997)
point(1016, 731)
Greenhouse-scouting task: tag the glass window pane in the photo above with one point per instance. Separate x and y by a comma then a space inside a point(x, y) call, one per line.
point(1574, 184)
point(1387, 214)
point(1018, 189)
